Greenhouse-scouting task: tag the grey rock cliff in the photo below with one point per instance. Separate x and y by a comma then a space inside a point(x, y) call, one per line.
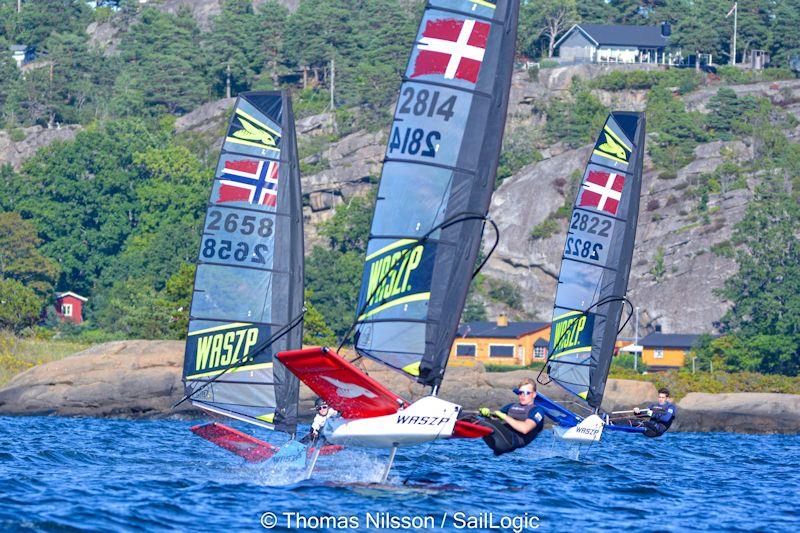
point(16, 152)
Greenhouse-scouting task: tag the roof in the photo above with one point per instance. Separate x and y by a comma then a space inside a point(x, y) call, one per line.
point(513, 330)
point(541, 342)
point(620, 35)
point(670, 340)
point(18, 47)
point(70, 293)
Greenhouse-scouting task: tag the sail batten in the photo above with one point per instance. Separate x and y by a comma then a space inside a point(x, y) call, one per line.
point(436, 184)
point(596, 260)
point(248, 291)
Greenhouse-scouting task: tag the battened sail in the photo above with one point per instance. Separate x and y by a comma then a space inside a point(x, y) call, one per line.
point(597, 260)
point(249, 283)
point(436, 184)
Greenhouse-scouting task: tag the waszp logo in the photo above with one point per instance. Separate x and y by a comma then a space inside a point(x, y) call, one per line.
point(422, 420)
point(224, 348)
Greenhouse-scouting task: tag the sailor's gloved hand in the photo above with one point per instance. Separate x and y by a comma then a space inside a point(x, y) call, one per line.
point(500, 414)
point(649, 412)
point(484, 411)
point(636, 410)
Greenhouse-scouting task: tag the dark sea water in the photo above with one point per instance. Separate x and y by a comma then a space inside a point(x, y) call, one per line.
point(112, 475)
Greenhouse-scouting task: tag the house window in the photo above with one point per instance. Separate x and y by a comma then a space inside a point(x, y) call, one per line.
point(658, 353)
point(66, 309)
point(465, 350)
point(539, 352)
point(501, 350)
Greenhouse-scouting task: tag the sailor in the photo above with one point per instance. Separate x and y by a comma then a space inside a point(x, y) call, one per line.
point(515, 425)
point(324, 413)
point(661, 414)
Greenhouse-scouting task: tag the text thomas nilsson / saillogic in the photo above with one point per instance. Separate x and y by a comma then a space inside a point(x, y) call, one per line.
point(387, 520)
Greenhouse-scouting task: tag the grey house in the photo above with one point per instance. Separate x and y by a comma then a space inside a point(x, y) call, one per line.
point(614, 43)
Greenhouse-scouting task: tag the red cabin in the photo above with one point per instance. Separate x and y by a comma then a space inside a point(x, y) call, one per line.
point(69, 306)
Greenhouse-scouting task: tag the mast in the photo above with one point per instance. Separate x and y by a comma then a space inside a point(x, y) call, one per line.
point(596, 261)
point(248, 290)
point(436, 185)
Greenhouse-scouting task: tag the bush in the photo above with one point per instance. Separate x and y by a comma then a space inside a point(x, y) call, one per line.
point(685, 80)
point(16, 135)
point(545, 228)
point(731, 74)
point(548, 63)
point(505, 292)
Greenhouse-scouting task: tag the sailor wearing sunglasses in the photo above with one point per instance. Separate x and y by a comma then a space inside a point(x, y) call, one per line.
point(324, 413)
point(515, 425)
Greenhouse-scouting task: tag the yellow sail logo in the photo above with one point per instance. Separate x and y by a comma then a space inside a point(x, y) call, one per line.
point(612, 147)
point(389, 276)
point(250, 131)
point(224, 348)
point(568, 332)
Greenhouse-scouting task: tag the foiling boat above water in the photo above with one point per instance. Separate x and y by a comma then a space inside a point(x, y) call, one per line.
point(436, 185)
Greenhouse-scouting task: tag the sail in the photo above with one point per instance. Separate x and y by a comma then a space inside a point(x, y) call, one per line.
point(436, 184)
point(248, 288)
point(597, 260)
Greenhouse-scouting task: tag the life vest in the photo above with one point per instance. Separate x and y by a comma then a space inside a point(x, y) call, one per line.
point(519, 411)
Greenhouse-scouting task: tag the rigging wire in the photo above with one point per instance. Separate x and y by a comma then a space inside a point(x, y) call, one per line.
point(293, 323)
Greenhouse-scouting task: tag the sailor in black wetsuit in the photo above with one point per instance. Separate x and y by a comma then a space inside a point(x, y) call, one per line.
point(661, 414)
point(516, 424)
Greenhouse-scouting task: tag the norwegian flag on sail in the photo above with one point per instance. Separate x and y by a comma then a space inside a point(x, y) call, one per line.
point(249, 180)
point(453, 48)
point(602, 191)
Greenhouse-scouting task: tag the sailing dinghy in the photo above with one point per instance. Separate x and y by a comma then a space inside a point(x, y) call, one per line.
point(595, 266)
point(248, 289)
point(435, 188)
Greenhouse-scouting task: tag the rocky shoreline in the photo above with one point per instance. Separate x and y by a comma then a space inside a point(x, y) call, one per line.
point(142, 379)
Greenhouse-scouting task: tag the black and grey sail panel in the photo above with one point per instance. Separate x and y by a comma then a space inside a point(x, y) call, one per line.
point(436, 184)
point(597, 258)
point(249, 282)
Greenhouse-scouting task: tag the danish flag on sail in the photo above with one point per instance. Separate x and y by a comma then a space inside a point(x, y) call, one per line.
point(453, 48)
point(249, 180)
point(602, 191)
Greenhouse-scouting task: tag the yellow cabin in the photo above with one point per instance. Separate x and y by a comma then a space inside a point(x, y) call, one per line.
point(666, 351)
point(501, 343)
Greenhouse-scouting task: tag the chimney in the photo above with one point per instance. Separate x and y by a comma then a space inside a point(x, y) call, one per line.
point(502, 320)
point(658, 328)
point(666, 29)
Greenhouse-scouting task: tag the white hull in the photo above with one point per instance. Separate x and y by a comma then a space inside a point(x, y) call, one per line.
point(427, 419)
point(589, 430)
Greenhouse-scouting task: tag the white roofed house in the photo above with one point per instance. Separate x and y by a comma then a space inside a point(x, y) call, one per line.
point(21, 53)
point(614, 43)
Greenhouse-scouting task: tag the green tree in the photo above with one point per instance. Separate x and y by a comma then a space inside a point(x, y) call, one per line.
point(233, 46)
point(82, 197)
point(726, 111)
point(675, 132)
point(164, 66)
point(784, 35)
point(576, 120)
point(765, 293)
point(20, 258)
point(20, 307)
point(271, 29)
point(315, 330)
